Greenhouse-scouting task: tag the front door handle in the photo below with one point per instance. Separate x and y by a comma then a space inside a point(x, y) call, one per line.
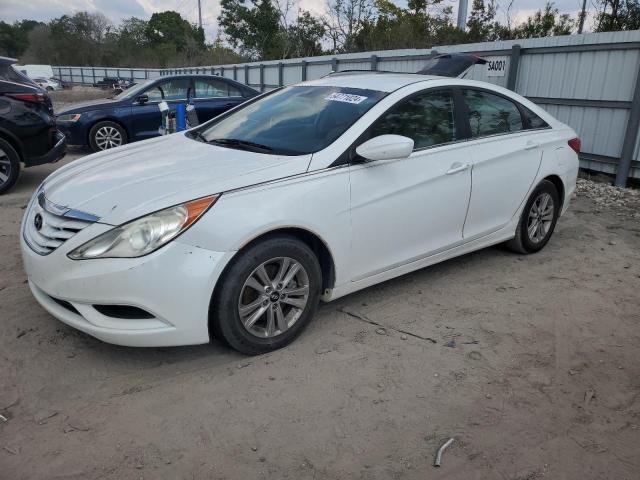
point(531, 145)
point(457, 167)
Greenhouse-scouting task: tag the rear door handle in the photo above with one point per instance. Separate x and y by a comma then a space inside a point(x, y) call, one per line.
point(457, 167)
point(531, 145)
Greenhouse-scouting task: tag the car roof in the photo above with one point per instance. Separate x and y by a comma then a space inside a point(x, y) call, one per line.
point(381, 81)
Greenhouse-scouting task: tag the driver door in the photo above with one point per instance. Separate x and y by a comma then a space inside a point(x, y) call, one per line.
point(405, 209)
point(146, 117)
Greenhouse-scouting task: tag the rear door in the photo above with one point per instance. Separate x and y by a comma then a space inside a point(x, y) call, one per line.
point(505, 160)
point(146, 117)
point(214, 96)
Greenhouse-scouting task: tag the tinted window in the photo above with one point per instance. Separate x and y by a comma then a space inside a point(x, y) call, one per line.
point(294, 120)
point(428, 119)
point(215, 88)
point(175, 89)
point(534, 120)
point(491, 114)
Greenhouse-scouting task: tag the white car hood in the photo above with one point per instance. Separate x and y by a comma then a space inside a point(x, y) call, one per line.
point(131, 181)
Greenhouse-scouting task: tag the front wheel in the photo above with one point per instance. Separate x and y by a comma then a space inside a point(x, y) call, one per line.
point(268, 295)
point(105, 135)
point(538, 219)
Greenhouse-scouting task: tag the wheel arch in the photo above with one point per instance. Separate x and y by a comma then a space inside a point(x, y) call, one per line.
point(13, 141)
point(559, 184)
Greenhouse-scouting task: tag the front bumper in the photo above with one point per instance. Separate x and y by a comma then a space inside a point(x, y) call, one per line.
point(56, 153)
point(173, 284)
point(76, 132)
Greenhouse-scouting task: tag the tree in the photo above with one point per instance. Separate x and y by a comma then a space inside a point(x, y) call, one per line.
point(346, 18)
point(170, 28)
point(545, 23)
point(481, 26)
point(14, 39)
point(252, 26)
point(618, 15)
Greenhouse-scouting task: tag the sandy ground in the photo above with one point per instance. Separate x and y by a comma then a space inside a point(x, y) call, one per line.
point(530, 362)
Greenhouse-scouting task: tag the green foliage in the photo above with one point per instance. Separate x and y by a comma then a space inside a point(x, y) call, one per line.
point(89, 39)
point(545, 23)
point(259, 30)
point(14, 38)
point(616, 15)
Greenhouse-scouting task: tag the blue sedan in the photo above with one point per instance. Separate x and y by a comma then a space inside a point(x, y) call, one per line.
point(134, 114)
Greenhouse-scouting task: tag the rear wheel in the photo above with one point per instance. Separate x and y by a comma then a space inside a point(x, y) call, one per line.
point(105, 135)
point(538, 219)
point(9, 166)
point(268, 295)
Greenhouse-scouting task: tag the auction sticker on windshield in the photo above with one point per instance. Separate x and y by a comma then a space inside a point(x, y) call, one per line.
point(346, 97)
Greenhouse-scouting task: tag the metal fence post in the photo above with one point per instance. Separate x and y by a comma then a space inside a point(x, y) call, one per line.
point(82, 75)
point(514, 62)
point(246, 74)
point(235, 73)
point(304, 70)
point(222, 71)
point(630, 137)
point(262, 77)
point(374, 62)
point(334, 64)
point(280, 74)
point(146, 73)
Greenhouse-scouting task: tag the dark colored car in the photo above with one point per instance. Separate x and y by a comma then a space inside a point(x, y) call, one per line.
point(134, 114)
point(28, 131)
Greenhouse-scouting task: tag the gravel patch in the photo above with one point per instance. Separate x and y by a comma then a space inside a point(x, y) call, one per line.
point(624, 201)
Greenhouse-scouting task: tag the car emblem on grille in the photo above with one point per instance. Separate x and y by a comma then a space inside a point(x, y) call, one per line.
point(37, 222)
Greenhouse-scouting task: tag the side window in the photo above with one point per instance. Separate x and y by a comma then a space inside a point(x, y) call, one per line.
point(534, 120)
point(215, 89)
point(429, 119)
point(211, 88)
point(491, 114)
point(175, 89)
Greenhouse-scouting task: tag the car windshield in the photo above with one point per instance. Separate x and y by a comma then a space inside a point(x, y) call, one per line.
point(292, 121)
point(134, 90)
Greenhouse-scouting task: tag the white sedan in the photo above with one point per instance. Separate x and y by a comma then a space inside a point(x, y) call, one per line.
point(237, 228)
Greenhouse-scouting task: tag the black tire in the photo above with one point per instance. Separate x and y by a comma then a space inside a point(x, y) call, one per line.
point(524, 242)
point(98, 128)
point(49, 89)
point(225, 321)
point(9, 166)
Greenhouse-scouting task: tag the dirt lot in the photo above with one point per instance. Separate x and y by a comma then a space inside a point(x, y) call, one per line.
point(530, 363)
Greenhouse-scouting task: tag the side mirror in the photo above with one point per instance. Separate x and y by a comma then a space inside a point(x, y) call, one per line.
point(142, 99)
point(386, 147)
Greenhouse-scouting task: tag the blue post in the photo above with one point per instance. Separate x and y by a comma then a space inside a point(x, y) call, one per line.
point(181, 117)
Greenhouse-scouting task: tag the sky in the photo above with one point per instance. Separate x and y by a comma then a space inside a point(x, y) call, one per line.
point(116, 10)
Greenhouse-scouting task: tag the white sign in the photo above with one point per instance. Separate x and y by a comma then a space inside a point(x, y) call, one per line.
point(496, 66)
point(346, 97)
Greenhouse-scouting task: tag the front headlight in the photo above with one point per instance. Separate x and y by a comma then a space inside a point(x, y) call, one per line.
point(145, 234)
point(69, 117)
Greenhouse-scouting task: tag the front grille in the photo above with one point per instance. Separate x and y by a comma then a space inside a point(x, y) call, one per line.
point(46, 229)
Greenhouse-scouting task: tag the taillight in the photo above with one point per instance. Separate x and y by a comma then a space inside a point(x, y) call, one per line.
point(29, 97)
point(575, 144)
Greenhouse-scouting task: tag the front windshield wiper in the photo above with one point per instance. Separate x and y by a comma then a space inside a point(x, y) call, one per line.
point(236, 142)
point(197, 135)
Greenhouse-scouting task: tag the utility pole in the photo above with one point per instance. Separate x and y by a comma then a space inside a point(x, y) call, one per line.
point(200, 14)
point(463, 6)
point(582, 16)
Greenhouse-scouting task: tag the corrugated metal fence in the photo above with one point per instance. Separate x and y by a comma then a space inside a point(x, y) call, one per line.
point(91, 75)
point(588, 81)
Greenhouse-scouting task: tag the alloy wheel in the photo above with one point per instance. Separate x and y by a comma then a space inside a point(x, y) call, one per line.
point(108, 137)
point(5, 167)
point(540, 217)
point(273, 297)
